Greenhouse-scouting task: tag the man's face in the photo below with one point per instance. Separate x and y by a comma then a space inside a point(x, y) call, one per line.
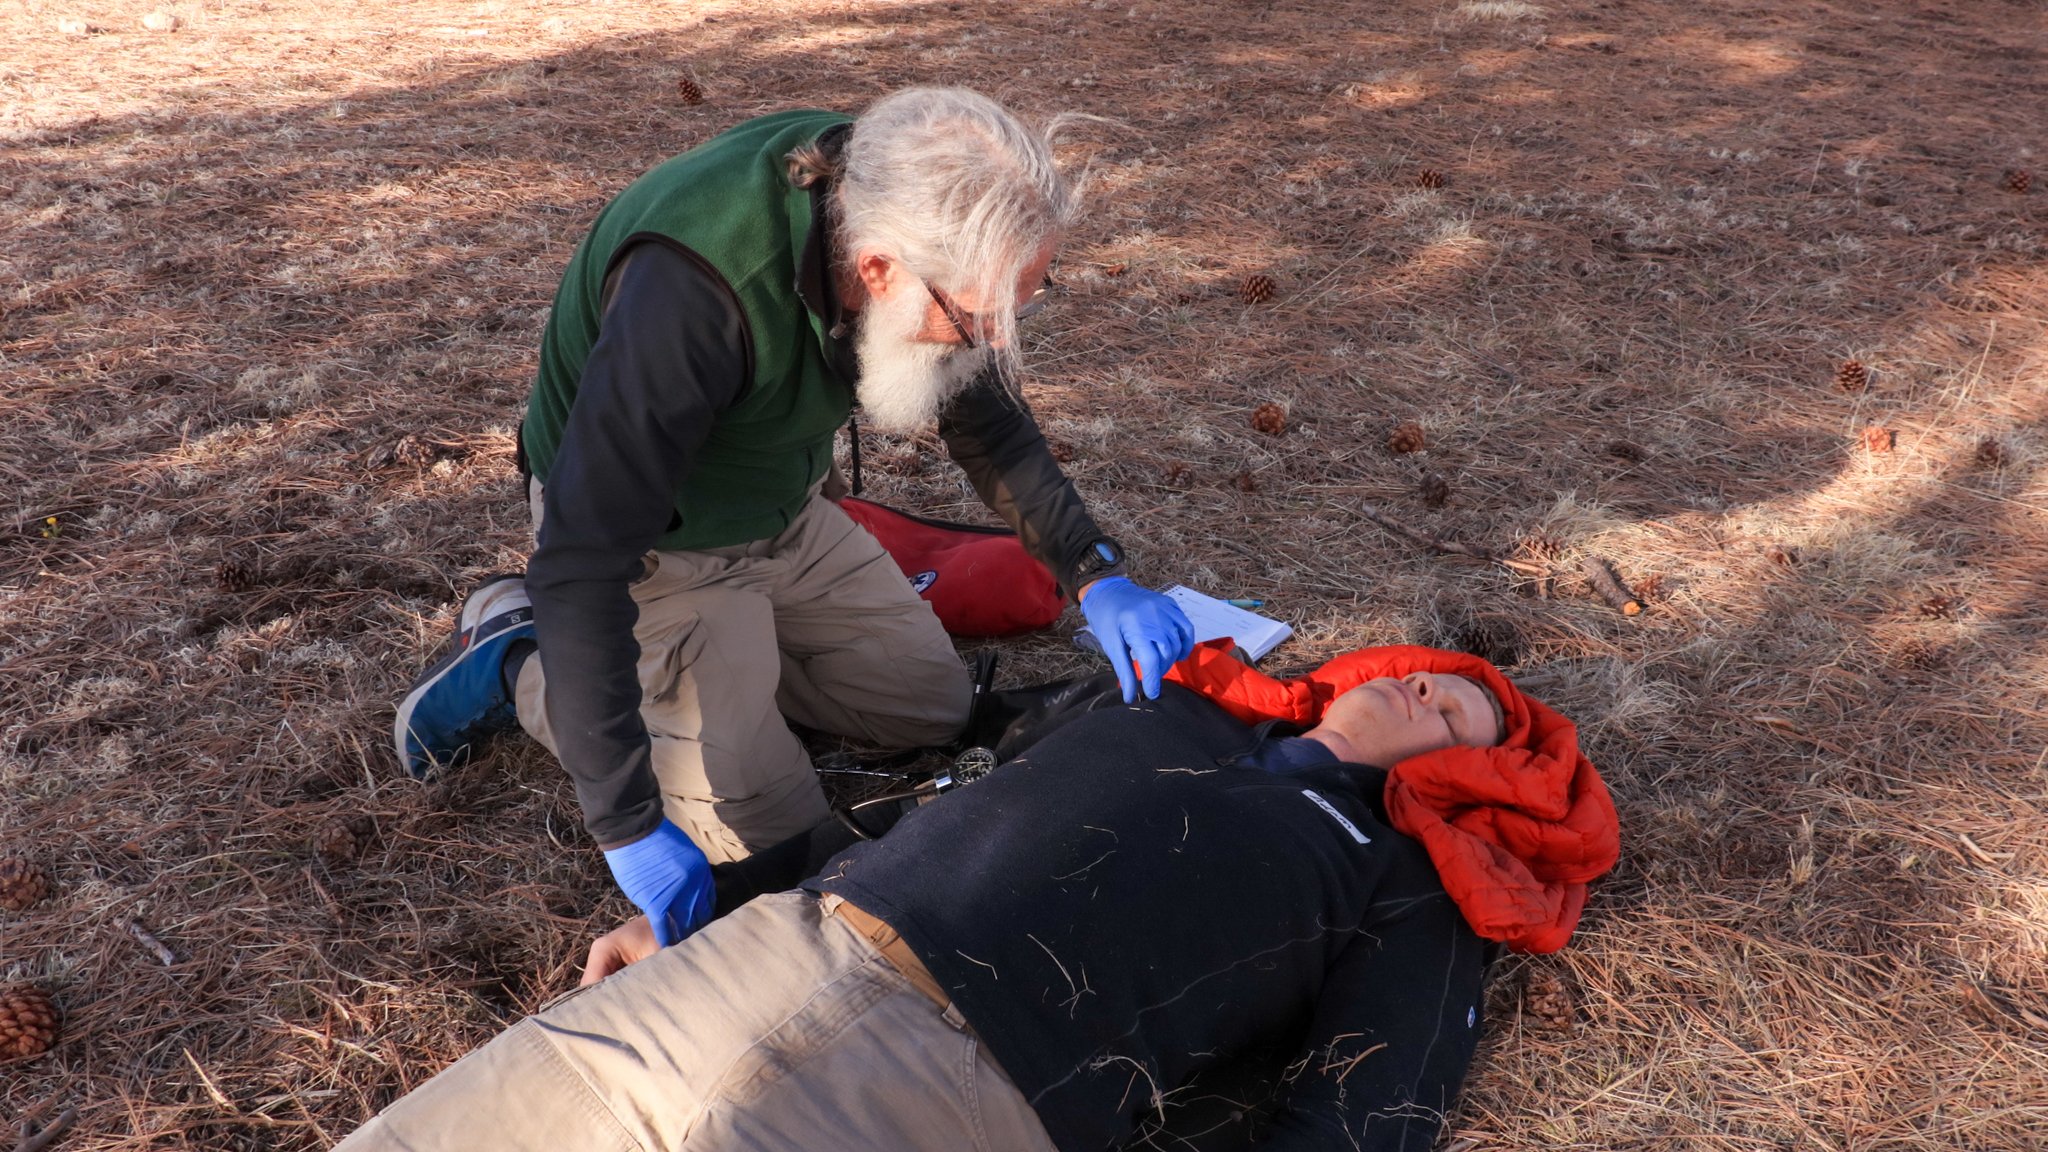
point(1389, 720)
point(949, 327)
point(912, 357)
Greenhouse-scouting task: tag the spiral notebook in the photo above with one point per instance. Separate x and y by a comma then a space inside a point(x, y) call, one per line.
point(1214, 619)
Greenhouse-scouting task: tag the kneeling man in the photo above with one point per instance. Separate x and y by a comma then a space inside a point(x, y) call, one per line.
point(694, 584)
point(1151, 901)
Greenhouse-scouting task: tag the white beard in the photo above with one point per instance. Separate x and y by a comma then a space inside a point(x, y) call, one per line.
point(904, 381)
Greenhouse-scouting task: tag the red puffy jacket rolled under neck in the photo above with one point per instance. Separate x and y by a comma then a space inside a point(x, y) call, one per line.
point(1516, 831)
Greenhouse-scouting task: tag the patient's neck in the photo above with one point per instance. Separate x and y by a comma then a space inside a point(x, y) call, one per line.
point(1339, 745)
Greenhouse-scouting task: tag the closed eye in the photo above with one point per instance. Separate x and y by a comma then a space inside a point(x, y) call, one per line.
point(1458, 723)
point(1462, 724)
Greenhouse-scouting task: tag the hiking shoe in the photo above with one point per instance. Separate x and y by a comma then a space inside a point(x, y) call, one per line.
point(462, 698)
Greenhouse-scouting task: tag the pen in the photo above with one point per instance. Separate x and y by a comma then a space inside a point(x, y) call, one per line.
point(1246, 603)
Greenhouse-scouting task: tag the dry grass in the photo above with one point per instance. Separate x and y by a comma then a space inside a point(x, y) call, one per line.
point(272, 287)
point(1499, 10)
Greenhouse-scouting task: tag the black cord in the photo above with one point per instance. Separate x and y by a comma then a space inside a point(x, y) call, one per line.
point(853, 446)
point(847, 815)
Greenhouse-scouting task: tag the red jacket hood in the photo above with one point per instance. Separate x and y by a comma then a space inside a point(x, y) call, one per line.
point(1516, 831)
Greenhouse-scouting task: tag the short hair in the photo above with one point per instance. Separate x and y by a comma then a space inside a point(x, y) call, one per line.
point(958, 189)
point(1500, 716)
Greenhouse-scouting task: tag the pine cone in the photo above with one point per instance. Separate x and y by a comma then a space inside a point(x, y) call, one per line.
point(1434, 489)
point(1879, 440)
point(1543, 549)
point(1407, 438)
point(689, 91)
point(1430, 178)
point(1255, 289)
point(1179, 474)
point(341, 842)
point(1922, 656)
point(22, 884)
point(412, 451)
point(1852, 377)
point(1270, 419)
point(1247, 482)
point(28, 1023)
point(1940, 606)
point(236, 576)
point(1062, 452)
point(2018, 180)
point(1990, 453)
point(1547, 1001)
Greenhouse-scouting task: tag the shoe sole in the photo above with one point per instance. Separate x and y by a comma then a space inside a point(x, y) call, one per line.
point(471, 616)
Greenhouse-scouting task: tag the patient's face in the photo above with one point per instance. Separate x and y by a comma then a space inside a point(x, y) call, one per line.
point(1389, 720)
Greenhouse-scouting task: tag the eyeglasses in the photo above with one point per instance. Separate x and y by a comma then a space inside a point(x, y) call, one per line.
point(967, 323)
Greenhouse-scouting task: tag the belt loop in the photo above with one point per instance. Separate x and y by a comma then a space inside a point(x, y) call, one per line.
point(891, 949)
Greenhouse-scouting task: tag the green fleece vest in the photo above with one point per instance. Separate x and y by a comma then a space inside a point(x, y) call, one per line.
point(729, 201)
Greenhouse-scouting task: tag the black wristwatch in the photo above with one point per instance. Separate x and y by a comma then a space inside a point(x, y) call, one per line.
point(1103, 557)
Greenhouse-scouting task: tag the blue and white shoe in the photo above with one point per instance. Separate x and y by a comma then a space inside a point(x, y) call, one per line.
point(462, 698)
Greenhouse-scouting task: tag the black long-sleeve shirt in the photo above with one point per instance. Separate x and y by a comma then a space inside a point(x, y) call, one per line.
point(671, 354)
point(1141, 902)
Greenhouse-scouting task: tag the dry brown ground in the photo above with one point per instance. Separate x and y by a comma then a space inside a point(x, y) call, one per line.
point(270, 289)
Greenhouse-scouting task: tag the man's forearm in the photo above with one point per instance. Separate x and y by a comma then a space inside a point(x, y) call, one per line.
point(992, 436)
point(587, 647)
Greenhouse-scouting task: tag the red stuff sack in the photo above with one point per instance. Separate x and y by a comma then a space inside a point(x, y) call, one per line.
point(979, 580)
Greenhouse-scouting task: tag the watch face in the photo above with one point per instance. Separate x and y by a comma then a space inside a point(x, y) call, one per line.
point(1107, 554)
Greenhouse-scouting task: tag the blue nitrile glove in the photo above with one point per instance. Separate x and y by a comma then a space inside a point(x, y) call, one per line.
point(668, 878)
point(1136, 624)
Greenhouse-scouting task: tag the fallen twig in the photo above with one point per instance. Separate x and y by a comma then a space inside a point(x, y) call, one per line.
point(205, 1081)
point(147, 940)
point(33, 1141)
point(1431, 543)
point(1995, 1006)
point(1601, 575)
point(1988, 859)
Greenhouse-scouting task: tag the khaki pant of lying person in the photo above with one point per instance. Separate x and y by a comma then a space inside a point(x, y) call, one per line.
point(776, 1029)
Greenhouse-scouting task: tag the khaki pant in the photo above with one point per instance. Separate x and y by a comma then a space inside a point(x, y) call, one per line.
point(776, 1029)
point(816, 624)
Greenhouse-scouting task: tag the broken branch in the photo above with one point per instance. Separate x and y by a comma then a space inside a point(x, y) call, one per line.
point(38, 1141)
point(147, 940)
point(1601, 575)
point(1431, 543)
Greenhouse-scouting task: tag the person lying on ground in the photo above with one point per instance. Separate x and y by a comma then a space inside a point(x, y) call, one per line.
point(694, 582)
point(1149, 900)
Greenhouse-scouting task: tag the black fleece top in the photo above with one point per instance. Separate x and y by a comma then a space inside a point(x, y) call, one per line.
point(670, 355)
point(1145, 896)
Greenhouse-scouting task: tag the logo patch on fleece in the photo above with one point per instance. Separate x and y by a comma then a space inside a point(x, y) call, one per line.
point(1326, 806)
point(924, 580)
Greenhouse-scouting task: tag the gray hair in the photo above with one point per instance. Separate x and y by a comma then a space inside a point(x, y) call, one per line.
point(960, 191)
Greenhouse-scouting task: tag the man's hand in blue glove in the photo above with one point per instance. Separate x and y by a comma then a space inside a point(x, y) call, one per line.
point(668, 878)
point(1137, 625)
